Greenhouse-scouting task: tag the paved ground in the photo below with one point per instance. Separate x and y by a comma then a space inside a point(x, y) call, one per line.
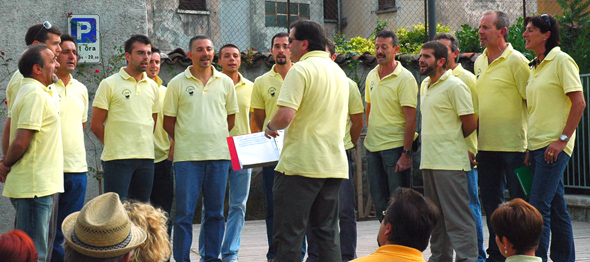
point(254, 244)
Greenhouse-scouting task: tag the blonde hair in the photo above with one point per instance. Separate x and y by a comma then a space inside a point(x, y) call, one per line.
point(156, 247)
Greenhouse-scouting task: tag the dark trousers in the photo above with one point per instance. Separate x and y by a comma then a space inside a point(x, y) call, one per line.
point(163, 189)
point(70, 201)
point(496, 173)
point(301, 201)
point(130, 178)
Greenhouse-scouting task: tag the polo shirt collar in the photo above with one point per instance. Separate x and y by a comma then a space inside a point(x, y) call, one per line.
point(317, 53)
point(126, 76)
point(60, 82)
point(241, 82)
point(552, 54)
point(458, 70)
point(399, 250)
point(396, 71)
point(158, 80)
point(188, 74)
point(443, 77)
point(35, 82)
point(273, 73)
point(504, 54)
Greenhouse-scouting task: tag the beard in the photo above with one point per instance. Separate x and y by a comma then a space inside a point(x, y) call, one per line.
point(54, 78)
point(428, 70)
point(282, 61)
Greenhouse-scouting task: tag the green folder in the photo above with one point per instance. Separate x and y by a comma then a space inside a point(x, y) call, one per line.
point(525, 178)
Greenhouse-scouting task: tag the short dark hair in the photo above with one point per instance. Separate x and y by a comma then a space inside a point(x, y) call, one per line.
point(545, 23)
point(311, 31)
point(136, 38)
point(226, 46)
point(73, 255)
point(155, 50)
point(66, 37)
point(450, 37)
point(520, 223)
point(279, 35)
point(195, 38)
point(412, 218)
point(502, 20)
point(331, 47)
point(30, 57)
point(388, 34)
point(439, 50)
point(40, 33)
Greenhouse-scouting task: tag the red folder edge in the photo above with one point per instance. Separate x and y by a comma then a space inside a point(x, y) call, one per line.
point(235, 161)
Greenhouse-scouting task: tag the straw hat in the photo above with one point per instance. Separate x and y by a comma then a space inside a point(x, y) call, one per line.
point(102, 228)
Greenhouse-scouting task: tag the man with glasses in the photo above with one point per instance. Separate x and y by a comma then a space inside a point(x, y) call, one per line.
point(313, 104)
point(73, 104)
point(130, 100)
point(502, 74)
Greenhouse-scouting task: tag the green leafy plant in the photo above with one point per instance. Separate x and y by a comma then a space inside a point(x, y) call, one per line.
point(575, 31)
point(411, 38)
point(468, 39)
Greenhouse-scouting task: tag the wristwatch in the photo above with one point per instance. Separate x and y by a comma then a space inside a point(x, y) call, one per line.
point(564, 138)
point(268, 127)
point(407, 152)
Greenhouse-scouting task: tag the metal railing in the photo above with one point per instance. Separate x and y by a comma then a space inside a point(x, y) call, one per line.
point(577, 173)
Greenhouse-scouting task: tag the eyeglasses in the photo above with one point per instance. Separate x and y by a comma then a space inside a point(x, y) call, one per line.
point(46, 25)
point(546, 19)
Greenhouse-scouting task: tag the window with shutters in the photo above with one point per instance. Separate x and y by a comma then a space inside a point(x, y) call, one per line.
point(196, 5)
point(331, 10)
point(276, 13)
point(386, 4)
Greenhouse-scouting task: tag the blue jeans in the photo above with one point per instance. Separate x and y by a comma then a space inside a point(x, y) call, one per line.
point(239, 188)
point(347, 222)
point(130, 178)
point(163, 189)
point(383, 180)
point(191, 177)
point(268, 178)
point(476, 210)
point(496, 173)
point(70, 201)
point(32, 217)
point(547, 197)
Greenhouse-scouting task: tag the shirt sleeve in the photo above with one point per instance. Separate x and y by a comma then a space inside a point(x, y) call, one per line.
point(461, 99)
point(569, 75)
point(257, 101)
point(355, 102)
point(85, 98)
point(171, 99)
point(368, 88)
point(156, 106)
point(231, 104)
point(293, 89)
point(408, 92)
point(102, 99)
point(30, 112)
point(521, 75)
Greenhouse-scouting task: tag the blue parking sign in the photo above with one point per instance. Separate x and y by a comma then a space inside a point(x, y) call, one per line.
point(86, 30)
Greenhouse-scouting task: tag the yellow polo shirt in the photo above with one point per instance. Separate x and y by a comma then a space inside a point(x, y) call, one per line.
point(387, 122)
point(244, 95)
point(469, 79)
point(316, 88)
point(201, 115)
point(129, 125)
point(73, 100)
point(266, 92)
point(12, 89)
point(40, 170)
point(548, 103)
point(443, 103)
point(355, 106)
point(161, 139)
point(501, 90)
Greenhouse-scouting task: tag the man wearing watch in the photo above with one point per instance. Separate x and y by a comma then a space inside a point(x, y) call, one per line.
point(391, 93)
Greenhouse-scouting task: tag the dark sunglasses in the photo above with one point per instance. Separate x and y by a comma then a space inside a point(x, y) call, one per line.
point(545, 18)
point(46, 25)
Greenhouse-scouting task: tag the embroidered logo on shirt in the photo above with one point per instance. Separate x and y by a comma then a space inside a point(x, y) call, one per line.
point(126, 93)
point(272, 91)
point(190, 90)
